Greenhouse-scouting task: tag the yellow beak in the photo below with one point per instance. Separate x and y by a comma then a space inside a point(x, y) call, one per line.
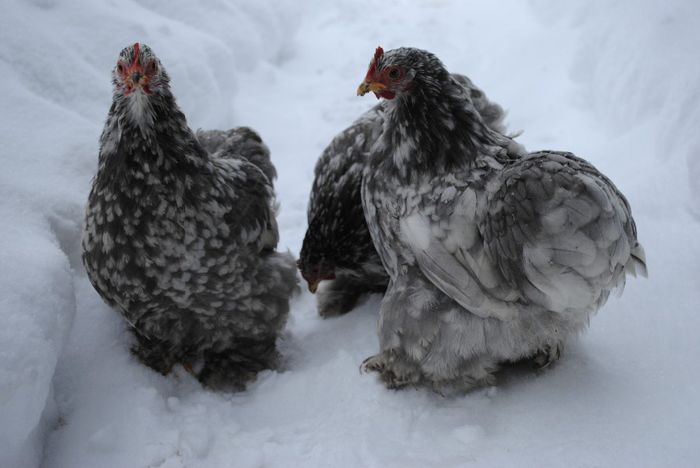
point(373, 86)
point(313, 286)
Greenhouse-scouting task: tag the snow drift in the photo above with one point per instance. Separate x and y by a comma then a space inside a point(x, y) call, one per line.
point(55, 60)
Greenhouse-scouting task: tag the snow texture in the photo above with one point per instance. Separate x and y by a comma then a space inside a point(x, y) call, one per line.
point(615, 83)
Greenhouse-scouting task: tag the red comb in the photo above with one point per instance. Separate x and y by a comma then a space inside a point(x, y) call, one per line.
point(373, 64)
point(378, 53)
point(137, 48)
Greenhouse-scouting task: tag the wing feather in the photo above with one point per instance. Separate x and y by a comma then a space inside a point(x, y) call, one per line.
point(554, 233)
point(569, 236)
point(455, 278)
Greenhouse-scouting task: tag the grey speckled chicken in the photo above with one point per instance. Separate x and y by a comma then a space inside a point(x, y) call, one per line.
point(493, 257)
point(181, 240)
point(337, 250)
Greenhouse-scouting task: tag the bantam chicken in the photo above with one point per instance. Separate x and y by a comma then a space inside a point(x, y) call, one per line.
point(182, 242)
point(493, 258)
point(337, 250)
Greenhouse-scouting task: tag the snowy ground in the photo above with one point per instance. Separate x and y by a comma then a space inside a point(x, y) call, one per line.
point(617, 85)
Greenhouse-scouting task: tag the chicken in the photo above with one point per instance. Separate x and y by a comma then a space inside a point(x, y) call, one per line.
point(494, 257)
point(182, 242)
point(337, 247)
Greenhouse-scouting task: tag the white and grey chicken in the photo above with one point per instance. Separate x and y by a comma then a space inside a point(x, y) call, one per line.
point(182, 240)
point(493, 256)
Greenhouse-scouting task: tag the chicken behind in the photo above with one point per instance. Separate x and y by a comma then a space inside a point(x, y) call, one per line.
point(337, 258)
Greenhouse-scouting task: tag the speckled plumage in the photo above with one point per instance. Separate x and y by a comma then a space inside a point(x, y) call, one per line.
point(181, 240)
point(494, 255)
point(337, 246)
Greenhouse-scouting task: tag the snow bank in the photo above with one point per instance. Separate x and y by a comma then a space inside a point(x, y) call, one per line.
point(37, 304)
point(55, 62)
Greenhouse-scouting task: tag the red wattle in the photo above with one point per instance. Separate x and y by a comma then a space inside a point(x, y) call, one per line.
point(385, 94)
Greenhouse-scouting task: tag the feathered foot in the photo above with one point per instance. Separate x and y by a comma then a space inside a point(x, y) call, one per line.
point(230, 370)
point(154, 354)
point(398, 372)
point(225, 377)
point(394, 371)
point(546, 356)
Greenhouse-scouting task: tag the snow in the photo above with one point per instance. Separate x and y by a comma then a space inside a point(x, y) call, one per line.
point(615, 83)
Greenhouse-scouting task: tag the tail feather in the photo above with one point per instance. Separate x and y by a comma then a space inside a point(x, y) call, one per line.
point(637, 264)
point(239, 142)
point(492, 113)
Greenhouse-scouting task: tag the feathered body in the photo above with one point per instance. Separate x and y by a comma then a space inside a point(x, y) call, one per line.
point(337, 251)
point(493, 255)
point(182, 242)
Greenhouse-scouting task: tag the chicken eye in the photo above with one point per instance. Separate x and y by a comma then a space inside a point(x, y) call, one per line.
point(120, 67)
point(394, 73)
point(151, 67)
